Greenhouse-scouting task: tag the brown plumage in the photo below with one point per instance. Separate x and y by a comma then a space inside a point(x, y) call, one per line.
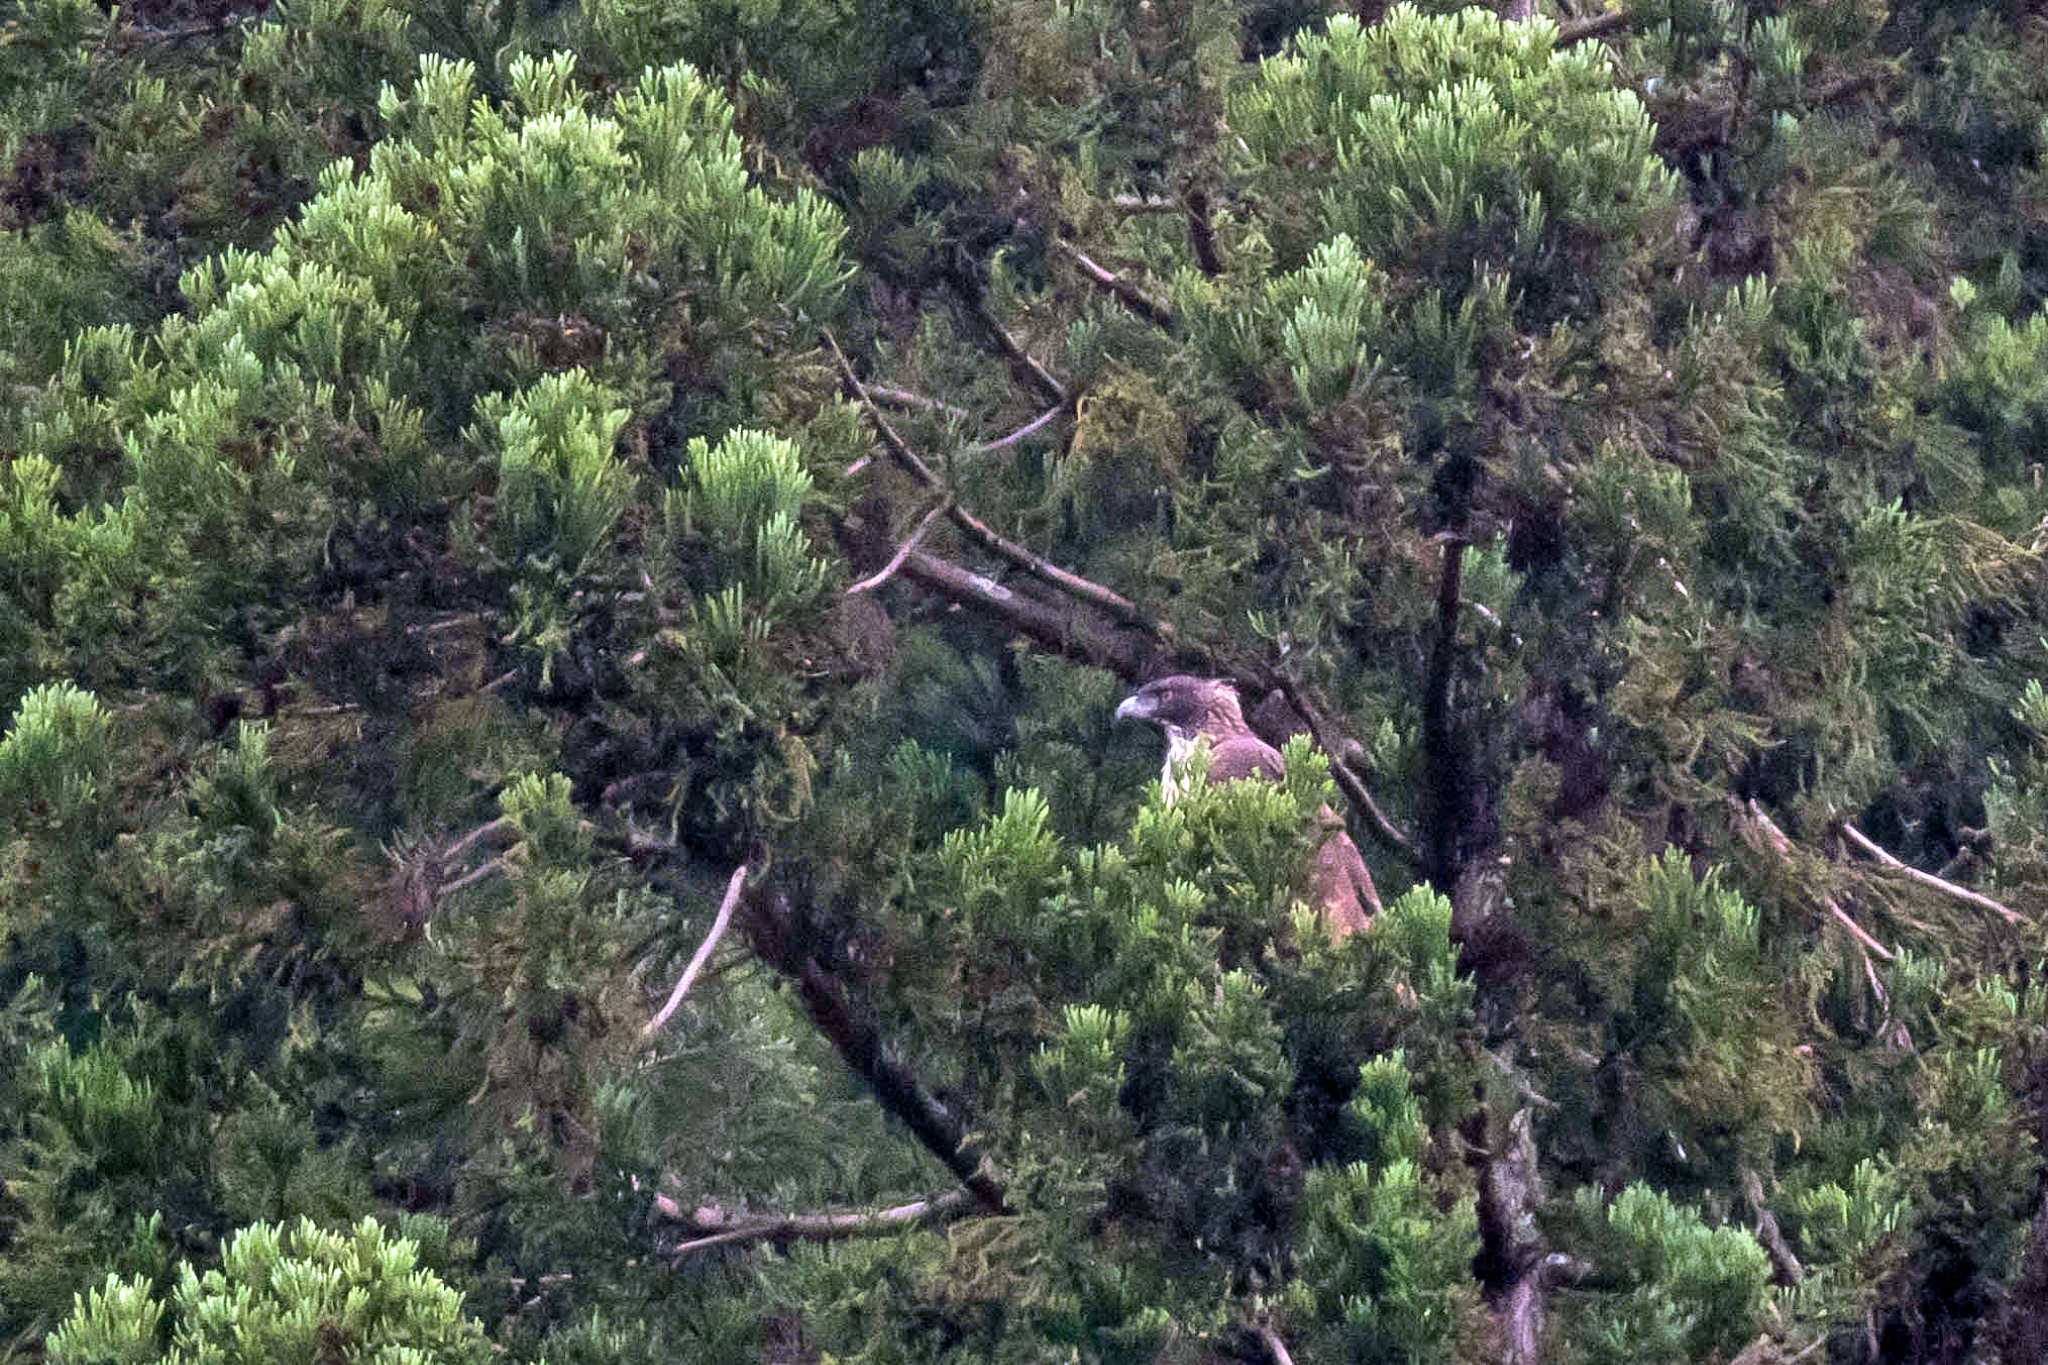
point(1194, 711)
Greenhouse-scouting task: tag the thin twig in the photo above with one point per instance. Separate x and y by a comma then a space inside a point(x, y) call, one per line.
point(1025, 432)
point(1142, 203)
point(1013, 350)
point(819, 1227)
point(501, 825)
point(903, 551)
point(1132, 297)
point(1347, 780)
point(970, 291)
point(702, 955)
point(1928, 879)
point(489, 869)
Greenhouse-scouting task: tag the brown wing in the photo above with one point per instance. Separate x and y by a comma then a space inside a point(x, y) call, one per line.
point(1341, 884)
point(1242, 756)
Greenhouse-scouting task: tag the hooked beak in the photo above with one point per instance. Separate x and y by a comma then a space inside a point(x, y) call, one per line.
point(1134, 708)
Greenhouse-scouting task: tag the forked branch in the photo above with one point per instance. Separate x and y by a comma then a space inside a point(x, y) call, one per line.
point(1764, 832)
point(976, 530)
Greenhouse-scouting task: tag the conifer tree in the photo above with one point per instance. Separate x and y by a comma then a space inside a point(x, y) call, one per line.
point(566, 572)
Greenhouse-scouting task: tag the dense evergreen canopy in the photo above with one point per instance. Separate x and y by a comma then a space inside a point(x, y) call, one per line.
point(566, 571)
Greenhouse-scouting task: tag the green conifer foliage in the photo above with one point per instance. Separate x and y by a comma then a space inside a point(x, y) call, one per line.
point(282, 1293)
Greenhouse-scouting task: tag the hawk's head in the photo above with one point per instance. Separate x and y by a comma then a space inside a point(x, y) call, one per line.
point(1185, 706)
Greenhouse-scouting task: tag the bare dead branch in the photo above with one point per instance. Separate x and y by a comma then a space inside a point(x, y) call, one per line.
point(1143, 203)
point(148, 35)
point(861, 1045)
point(917, 402)
point(719, 1230)
point(782, 930)
point(494, 832)
point(1110, 282)
point(1073, 585)
point(1928, 879)
point(903, 551)
point(1021, 361)
point(701, 956)
point(897, 447)
point(1764, 831)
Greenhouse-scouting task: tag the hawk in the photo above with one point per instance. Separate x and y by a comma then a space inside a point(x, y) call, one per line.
point(1205, 711)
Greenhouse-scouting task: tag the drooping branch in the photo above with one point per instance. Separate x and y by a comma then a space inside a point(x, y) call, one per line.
point(779, 938)
point(1928, 879)
point(701, 956)
point(1347, 779)
point(717, 1229)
